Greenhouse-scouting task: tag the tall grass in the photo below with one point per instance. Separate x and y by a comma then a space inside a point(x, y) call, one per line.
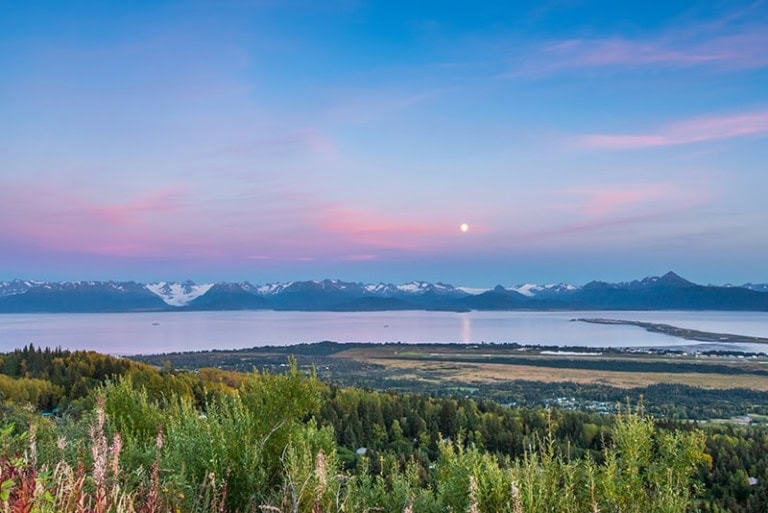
point(257, 450)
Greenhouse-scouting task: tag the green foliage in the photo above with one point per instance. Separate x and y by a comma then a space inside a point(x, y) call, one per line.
point(311, 472)
point(71, 374)
point(39, 392)
point(235, 442)
point(646, 470)
point(391, 490)
point(238, 438)
point(226, 442)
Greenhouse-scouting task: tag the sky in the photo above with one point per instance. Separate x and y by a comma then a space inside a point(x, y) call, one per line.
point(284, 140)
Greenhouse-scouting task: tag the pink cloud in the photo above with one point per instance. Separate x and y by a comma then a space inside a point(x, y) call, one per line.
point(612, 210)
point(136, 209)
point(369, 229)
point(55, 219)
point(737, 51)
point(684, 132)
point(291, 226)
point(619, 51)
point(602, 201)
point(361, 257)
point(596, 225)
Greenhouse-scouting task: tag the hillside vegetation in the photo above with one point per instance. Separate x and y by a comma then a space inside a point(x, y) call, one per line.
point(87, 432)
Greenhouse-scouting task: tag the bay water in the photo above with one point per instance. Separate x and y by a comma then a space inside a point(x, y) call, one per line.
point(151, 333)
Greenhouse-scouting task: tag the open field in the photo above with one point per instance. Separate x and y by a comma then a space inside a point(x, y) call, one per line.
point(623, 370)
point(489, 364)
point(474, 373)
point(672, 384)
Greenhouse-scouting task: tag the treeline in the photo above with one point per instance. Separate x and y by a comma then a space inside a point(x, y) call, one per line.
point(53, 379)
point(413, 425)
point(261, 435)
point(48, 378)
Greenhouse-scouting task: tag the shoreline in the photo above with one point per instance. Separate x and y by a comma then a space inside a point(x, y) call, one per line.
point(674, 331)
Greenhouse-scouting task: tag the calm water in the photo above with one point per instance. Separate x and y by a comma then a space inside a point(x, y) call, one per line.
point(132, 333)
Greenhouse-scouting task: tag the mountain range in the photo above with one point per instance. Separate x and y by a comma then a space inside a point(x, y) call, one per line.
point(667, 292)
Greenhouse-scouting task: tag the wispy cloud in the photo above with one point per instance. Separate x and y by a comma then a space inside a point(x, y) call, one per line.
point(154, 203)
point(367, 105)
point(683, 132)
point(373, 230)
point(181, 224)
point(361, 257)
point(619, 213)
point(736, 41)
point(56, 219)
point(732, 52)
point(604, 201)
point(313, 142)
point(595, 225)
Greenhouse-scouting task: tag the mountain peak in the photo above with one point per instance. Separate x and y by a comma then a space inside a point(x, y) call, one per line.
point(672, 278)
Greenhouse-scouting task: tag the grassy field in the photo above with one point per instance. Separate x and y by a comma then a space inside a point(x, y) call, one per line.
point(472, 367)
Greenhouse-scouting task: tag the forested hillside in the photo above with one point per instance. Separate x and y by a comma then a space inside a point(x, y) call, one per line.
point(89, 432)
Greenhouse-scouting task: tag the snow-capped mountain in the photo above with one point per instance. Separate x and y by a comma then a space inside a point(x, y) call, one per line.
point(79, 296)
point(551, 289)
point(473, 291)
point(423, 287)
point(367, 289)
point(669, 291)
point(8, 288)
point(412, 287)
point(271, 289)
point(759, 287)
point(380, 289)
point(178, 294)
point(120, 287)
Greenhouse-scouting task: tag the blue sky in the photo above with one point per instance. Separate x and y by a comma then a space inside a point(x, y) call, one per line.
point(268, 141)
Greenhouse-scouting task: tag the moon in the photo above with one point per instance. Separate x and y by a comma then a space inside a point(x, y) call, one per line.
point(464, 227)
